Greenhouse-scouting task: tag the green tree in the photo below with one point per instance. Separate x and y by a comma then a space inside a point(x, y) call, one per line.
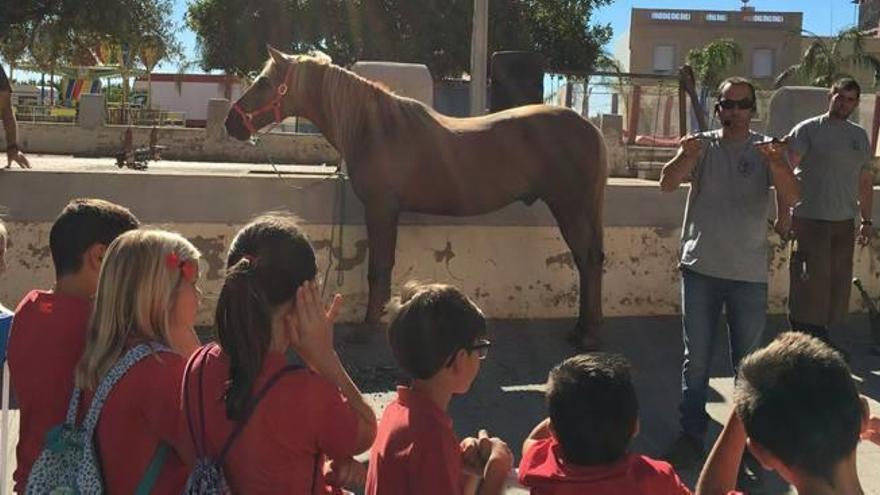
point(711, 64)
point(13, 47)
point(826, 59)
point(232, 33)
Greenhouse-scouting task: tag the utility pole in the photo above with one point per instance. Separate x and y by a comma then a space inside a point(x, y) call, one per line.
point(479, 42)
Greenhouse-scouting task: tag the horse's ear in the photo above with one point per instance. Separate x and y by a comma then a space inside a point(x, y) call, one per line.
point(276, 54)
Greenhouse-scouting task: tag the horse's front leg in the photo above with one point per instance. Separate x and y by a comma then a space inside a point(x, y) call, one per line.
point(382, 236)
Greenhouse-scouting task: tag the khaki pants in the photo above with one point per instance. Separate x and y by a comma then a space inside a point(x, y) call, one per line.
point(820, 270)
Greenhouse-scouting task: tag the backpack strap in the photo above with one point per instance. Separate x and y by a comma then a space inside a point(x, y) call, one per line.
point(240, 424)
point(118, 370)
point(153, 469)
point(198, 442)
point(72, 408)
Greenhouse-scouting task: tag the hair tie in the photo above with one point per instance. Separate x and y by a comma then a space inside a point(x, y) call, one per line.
point(187, 268)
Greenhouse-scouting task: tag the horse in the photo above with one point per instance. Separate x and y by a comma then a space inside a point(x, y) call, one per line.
point(404, 156)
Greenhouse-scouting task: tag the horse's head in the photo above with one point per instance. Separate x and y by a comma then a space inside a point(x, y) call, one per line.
point(271, 97)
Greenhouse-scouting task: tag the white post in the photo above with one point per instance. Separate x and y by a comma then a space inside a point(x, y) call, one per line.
point(479, 41)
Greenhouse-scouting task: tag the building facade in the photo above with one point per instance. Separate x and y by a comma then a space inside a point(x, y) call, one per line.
point(660, 39)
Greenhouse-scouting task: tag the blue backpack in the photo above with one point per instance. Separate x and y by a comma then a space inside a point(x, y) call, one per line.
point(68, 463)
point(207, 477)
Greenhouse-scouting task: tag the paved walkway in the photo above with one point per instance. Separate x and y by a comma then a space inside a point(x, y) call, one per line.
point(507, 396)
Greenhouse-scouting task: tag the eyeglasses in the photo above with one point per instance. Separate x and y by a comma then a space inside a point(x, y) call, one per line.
point(744, 104)
point(481, 347)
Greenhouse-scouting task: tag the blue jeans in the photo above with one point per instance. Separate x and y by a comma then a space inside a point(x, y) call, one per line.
point(703, 297)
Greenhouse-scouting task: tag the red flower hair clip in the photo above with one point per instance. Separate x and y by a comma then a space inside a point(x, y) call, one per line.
point(187, 268)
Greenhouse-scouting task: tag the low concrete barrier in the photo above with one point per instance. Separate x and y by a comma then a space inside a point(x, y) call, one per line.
point(512, 262)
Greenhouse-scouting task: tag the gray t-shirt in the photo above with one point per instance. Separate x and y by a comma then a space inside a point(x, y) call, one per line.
point(833, 154)
point(725, 221)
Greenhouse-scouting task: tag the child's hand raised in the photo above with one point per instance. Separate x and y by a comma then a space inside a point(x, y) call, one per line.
point(310, 327)
point(872, 433)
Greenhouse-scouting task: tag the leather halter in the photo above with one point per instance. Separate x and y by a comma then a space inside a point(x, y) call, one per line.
point(273, 105)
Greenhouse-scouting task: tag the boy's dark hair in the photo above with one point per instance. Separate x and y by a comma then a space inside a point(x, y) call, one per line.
point(731, 81)
point(593, 407)
point(269, 259)
point(846, 84)
point(83, 223)
point(797, 399)
point(431, 323)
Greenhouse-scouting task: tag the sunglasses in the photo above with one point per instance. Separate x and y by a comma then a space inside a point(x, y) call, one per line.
point(744, 104)
point(481, 347)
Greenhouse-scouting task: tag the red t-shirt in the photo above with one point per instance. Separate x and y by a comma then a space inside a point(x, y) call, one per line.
point(544, 471)
point(142, 410)
point(415, 450)
point(46, 341)
point(302, 420)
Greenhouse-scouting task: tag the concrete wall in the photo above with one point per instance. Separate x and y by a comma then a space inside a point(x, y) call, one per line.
point(90, 137)
point(512, 262)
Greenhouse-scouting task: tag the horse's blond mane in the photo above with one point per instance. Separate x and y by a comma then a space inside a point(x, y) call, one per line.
point(350, 99)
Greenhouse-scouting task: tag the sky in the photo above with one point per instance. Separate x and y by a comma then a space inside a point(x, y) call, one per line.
point(820, 16)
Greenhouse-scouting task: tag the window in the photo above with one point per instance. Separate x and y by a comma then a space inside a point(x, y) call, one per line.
point(716, 17)
point(664, 59)
point(765, 18)
point(762, 63)
point(671, 16)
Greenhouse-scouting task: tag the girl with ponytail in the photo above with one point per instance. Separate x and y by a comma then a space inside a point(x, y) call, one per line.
point(272, 418)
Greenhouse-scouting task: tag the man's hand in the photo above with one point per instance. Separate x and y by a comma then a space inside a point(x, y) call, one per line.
point(691, 145)
point(866, 232)
point(15, 155)
point(774, 151)
point(782, 226)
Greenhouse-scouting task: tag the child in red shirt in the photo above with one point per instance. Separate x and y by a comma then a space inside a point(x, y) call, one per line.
point(438, 337)
point(269, 305)
point(582, 447)
point(799, 409)
point(49, 330)
point(146, 294)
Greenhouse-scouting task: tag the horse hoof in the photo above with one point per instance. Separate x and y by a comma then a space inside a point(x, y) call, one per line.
point(584, 342)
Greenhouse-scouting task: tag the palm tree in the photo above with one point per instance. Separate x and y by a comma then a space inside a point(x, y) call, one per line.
point(711, 64)
point(826, 59)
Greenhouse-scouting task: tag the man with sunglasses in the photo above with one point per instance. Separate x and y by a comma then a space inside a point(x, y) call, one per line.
point(724, 246)
point(834, 165)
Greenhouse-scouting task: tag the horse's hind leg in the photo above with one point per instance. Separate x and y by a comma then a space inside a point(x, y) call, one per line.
point(382, 237)
point(582, 231)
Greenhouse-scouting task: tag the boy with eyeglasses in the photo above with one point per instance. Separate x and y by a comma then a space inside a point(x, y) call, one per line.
point(724, 246)
point(582, 447)
point(438, 337)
